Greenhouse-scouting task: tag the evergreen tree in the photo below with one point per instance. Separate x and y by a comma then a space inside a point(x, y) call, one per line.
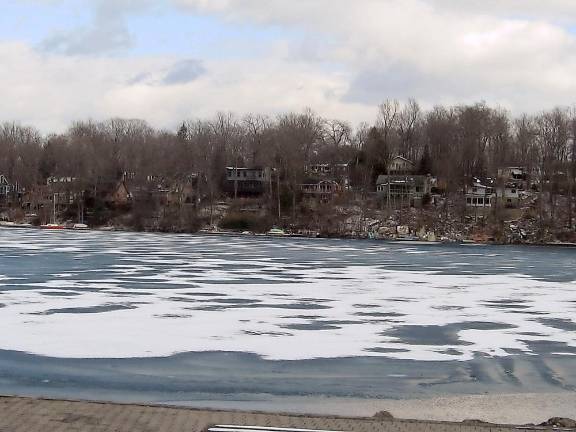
point(425, 164)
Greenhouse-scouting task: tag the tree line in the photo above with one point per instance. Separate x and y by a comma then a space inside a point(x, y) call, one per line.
point(454, 143)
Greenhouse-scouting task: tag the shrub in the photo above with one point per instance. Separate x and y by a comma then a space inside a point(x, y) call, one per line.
point(246, 222)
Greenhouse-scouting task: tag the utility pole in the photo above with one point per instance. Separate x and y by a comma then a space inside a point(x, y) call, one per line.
point(236, 182)
point(278, 193)
point(54, 208)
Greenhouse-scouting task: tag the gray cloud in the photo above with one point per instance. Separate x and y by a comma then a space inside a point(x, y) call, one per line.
point(105, 34)
point(140, 78)
point(183, 72)
point(373, 84)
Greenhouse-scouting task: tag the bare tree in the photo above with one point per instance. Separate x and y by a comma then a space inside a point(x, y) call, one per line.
point(553, 134)
point(409, 128)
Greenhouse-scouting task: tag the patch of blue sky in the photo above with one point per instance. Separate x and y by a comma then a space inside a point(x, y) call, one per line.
point(158, 30)
point(32, 22)
point(201, 36)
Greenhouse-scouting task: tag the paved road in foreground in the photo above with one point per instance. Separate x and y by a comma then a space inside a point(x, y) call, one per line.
point(34, 415)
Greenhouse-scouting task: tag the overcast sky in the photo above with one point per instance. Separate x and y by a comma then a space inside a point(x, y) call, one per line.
point(169, 60)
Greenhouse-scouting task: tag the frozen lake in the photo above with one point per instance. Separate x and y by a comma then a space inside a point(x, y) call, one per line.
point(86, 297)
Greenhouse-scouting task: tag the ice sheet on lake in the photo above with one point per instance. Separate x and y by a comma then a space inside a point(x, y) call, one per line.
point(133, 295)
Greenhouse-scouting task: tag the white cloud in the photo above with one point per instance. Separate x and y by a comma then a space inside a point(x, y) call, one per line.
point(563, 11)
point(49, 91)
point(516, 53)
point(511, 51)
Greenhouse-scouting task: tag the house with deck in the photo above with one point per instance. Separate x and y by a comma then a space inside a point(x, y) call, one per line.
point(323, 190)
point(247, 182)
point(404, 189)
point(479, 194)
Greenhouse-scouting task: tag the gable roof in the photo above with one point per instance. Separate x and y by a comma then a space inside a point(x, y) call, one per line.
point(403, 159)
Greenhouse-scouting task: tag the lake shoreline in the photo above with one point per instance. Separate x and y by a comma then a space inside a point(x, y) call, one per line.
point(224, 233)
point(502, 409)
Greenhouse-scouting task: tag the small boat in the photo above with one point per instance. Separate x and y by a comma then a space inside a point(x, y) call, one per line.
point(408, 238)
point(562, 244)
point(80, 227)
point(52, 226)
point(276, 232)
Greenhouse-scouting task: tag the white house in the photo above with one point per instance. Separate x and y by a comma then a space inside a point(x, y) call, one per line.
point(5, 186)
point(479, 195)
point(509, 195)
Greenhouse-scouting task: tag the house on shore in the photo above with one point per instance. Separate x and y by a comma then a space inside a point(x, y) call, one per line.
point(512, 184)
point(248, 182)
point(323, 190)
point(185, 190)
point(479, 195)
point(402, 185)
point(399, 165)
point(119, 195)
point(64, 189)
point(9, 192)
point(509, 196)
point(6, 189)
point(513, 174)
point(404, 189)
point(339, 173)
